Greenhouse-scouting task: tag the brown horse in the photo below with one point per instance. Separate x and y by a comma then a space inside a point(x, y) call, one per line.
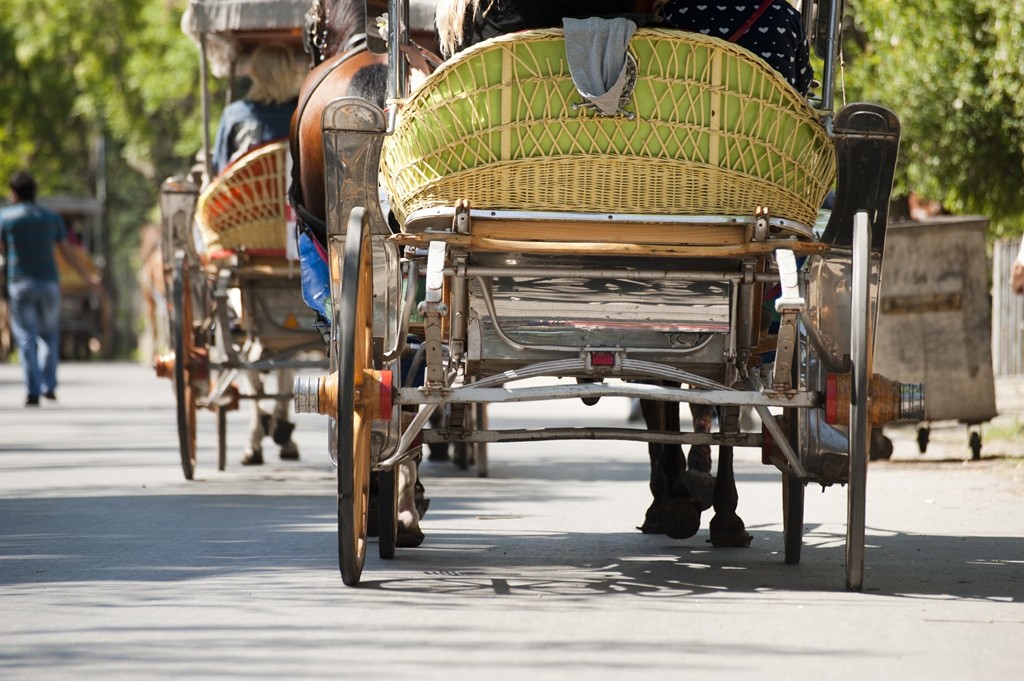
point(342, 66)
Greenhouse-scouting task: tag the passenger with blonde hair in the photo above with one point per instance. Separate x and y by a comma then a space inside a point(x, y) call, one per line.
point(265, 113)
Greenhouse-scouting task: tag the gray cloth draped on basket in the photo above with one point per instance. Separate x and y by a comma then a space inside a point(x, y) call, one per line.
point(596, 51)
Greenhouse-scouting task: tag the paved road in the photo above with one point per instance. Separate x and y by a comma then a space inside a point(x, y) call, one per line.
point(112, 566)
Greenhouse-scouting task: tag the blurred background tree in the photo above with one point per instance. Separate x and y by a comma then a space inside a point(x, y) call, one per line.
point(953, 70)
point(100, 98)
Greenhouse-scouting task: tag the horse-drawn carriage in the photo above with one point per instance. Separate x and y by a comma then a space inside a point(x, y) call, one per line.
point(675, 239)
point(232, 279)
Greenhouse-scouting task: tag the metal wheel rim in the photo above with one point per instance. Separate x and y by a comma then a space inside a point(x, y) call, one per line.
point(860, 337)
point(792, 487)
point(183, 389)
point(355, 355)
point(387, 500)
point(222, 438)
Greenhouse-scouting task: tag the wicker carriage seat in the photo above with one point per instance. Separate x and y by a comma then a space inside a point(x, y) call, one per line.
point(246, 205)
point(712, 130)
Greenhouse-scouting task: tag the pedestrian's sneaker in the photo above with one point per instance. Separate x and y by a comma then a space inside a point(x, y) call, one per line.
point(253, 457)
point(32, 401)
point(50, 395)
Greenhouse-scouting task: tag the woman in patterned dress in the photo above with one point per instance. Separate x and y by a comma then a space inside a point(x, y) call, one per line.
point(776, 33)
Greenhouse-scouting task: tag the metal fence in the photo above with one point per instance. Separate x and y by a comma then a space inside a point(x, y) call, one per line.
point(1007, 312)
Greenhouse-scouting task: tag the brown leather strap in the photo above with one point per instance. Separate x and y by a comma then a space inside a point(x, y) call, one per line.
point(742, 30)
point(420, 58)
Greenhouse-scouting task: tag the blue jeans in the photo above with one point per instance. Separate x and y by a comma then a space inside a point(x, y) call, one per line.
point(35, 318)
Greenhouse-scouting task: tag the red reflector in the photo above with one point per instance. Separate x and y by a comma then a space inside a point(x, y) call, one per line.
point(831, 399)
point(386, 400)
point(602, 359)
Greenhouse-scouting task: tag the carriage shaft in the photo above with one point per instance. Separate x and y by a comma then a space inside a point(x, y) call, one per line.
point(628, 434)
point(473, 394)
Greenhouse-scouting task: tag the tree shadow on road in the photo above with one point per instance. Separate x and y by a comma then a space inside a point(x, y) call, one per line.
point(54, 540)
point(587, 565)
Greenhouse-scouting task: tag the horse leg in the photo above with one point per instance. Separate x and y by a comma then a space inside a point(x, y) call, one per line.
point(727, 528)
point(438, 450)
point(260, 424)
point(282, 427)
point(409, 532)
point(673, 511)
point(699, 480)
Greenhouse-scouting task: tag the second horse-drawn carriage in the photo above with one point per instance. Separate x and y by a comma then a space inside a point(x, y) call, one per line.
point(673, 238)
point(232, 276)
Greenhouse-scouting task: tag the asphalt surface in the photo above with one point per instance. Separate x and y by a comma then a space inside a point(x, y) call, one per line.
point(113, 566)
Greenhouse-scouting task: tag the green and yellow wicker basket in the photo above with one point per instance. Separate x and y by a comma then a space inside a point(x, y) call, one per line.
point(714, 131)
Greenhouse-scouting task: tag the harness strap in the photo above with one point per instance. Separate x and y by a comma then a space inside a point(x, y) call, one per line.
point(742, 30)
point(420, 58)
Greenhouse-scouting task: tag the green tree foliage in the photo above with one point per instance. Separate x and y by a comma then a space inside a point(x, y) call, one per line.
point(74, 72)
point(953, 70)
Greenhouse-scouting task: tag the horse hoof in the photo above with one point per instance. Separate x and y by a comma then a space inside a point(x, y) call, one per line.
point(282, 433)
point(729, 532)
point(290, 452)
point(253, 457)
point(409, 537)
point(674, 517)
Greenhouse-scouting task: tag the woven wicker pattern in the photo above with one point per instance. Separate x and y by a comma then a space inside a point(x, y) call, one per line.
point(716, 131)
point(245, 205)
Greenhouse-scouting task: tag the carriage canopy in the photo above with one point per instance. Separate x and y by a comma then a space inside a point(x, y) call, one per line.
point(227, 16)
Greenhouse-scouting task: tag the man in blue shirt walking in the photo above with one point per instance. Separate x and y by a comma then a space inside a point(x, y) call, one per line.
point(28, 235)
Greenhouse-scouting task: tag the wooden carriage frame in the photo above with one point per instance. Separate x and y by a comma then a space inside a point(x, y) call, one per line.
point(469, 251)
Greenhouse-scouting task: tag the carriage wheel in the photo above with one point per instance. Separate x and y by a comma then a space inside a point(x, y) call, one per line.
point(860, 340)
point(480, 448)
point(387, 509)
point(353, 346)
point(222, 438)
point(183, 352)
point(792, 487)
point(792, 500)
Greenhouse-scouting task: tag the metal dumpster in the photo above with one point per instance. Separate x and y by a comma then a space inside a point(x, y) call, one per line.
point(935, 319)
